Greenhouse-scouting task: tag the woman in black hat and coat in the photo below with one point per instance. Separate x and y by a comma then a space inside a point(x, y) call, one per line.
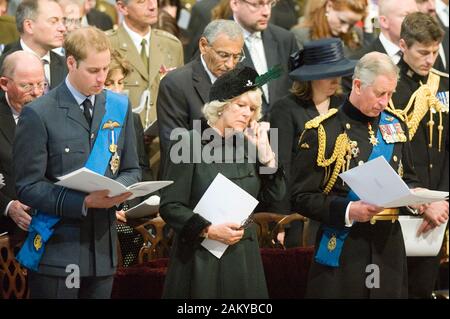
point(316, 70)
point(193, 271)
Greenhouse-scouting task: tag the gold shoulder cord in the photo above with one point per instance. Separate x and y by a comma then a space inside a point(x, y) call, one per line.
point(424, 100)
point(342, 146)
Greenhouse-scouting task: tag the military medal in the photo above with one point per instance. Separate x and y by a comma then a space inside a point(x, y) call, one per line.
point(354, 148)
point(400, 169)
point(372, 138)
point(114, 163)
point(115, 158)
point(37, 242)
point(443, 98)
point(332, 243)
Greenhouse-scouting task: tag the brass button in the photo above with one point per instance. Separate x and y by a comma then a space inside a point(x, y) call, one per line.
point(67, 150)
point(92, 136)
point(395, 158)
point(347, 126)
point(431, 166)
point(360, 162)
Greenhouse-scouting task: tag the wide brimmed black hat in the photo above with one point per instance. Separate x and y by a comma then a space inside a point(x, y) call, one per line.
point(240, 80)
point(320, 59)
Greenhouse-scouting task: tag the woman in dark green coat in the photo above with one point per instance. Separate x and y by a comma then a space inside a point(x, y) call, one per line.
point(193, 271)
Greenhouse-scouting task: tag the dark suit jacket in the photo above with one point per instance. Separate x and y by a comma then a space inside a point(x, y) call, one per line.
point(182, 94)
point(8, 192)
point(58, 67)
point(279, 44)
point(53, 139)
point(99, 19)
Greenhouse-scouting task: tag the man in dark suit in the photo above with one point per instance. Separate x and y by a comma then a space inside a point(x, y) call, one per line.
point(266, 45)
point(39, 36)
point(58, 134)
point(21, 81)
point(184, 91)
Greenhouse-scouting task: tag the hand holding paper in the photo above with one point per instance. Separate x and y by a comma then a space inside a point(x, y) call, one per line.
point(377, 183)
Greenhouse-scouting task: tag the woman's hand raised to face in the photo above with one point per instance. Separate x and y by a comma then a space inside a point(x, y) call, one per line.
point(257, 134)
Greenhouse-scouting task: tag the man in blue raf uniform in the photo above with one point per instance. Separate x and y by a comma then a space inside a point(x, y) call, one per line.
point(421, 99)
point(77, 124)
point(355, 239)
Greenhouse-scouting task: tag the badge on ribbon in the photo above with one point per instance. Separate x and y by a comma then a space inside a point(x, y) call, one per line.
point(112, 139)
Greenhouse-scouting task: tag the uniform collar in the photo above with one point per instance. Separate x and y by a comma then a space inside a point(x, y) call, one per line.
point(409, 73)
point(355, 114)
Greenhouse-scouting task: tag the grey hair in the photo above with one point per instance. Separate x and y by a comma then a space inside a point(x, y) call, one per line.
point(220, 26)
point(213, 109)
point(372, 65)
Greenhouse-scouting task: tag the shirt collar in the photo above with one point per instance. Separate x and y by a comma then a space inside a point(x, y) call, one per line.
point(136, 37)
point(390, 47)
point(26, 48)
point(212, 77)
point(246, 33)
point(79, 97)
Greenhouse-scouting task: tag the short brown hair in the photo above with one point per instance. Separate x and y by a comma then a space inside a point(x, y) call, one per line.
point(78, 42)
point(422, 28)
point(303, 90)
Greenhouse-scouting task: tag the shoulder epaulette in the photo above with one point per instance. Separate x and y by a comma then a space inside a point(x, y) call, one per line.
point(166, 35)
point(440, 73)
point(314, 123)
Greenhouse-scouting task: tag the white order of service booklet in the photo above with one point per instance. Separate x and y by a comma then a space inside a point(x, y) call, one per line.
point(85, 180)
point(223, 202)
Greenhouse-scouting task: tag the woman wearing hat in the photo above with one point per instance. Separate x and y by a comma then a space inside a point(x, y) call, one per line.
point(316, 71)
point(193, 271)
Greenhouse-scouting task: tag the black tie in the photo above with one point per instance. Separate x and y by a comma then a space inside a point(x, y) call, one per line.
point(87, 106)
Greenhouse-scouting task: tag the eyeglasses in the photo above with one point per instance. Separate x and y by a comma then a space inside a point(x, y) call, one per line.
point(69, 21)
point(261, 4)
point(29, 87)
point(225, 55)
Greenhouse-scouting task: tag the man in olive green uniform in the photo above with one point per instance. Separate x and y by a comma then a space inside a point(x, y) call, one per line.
point(151, 53)
point(422, 100)
point(8, 31)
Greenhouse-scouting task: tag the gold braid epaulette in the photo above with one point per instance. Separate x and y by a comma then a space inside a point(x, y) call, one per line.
point(341, 147)
point(314, 123)
point(424, 100)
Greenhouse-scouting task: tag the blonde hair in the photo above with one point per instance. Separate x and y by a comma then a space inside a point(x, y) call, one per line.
point(213, 109)
point(78, 42)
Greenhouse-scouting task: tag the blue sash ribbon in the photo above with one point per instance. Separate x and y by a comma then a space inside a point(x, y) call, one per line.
point(332, 241)
point(41, 226)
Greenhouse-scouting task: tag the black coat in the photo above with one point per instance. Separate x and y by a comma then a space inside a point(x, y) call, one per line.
point(8, 192)
point(289, 116)
point(58, 67)
point(380, 244)
point(432, 166)
point(193, 271)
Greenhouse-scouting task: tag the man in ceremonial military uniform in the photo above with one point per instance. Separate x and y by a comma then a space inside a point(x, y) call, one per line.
point(359, 247)
point(422, 100)
point(78, 124)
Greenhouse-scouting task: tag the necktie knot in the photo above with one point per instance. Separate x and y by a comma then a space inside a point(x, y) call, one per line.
point(87, 107)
